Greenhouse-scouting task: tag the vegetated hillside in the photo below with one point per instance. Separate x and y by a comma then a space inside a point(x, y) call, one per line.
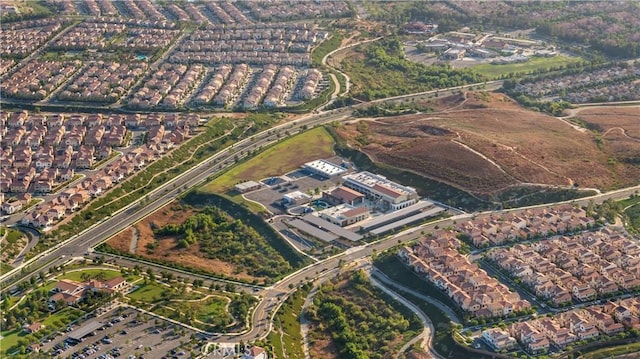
point(204, 238)
point(350, 320)
point(379, 69)
point(485, 142)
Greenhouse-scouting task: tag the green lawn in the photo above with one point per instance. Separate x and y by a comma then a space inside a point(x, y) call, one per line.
point(93, 273)
point(64, 317)
point(276, 160)
point(148, 293)
point(52, 323)
point(535, 63)
point(4, 268)
point(9, 340)
point(212, 308)
point(13, 235)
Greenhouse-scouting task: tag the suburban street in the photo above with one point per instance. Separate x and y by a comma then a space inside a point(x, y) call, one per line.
point(80, 245)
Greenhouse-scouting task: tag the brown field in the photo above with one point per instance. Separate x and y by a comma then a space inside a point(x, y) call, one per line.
point(167, 247)
point(483, 142)
point(618, 126)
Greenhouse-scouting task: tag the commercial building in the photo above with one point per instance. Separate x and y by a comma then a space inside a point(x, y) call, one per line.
point(248, 186)
point(324, 168)
point(345, 195)
point(344, 214)
point(295, 198)
point(384, 193)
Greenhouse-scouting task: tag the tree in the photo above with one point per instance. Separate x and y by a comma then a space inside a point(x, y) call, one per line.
point(152, 276)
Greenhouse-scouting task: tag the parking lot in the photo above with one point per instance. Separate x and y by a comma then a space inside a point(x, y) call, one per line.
point(295, 181)
point(126, 333)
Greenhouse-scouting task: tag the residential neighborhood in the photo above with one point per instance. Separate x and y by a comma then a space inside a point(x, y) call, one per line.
point(43, 153)
point(584, 274)
point(333, 179)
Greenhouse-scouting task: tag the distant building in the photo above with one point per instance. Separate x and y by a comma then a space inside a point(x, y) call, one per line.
point(324, 168)
point(383, 192)
point(499, 339)
point(33, 327)
point(295, 198)
point(248, 186)
point(344, 214)
point(454, 54)
point(343, 194)
point(255, 353)
point(72, 292)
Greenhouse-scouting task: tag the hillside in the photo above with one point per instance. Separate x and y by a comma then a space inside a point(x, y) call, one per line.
point(485, 142)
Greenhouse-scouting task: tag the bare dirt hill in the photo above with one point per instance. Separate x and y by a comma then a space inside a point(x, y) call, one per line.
point(483, 142)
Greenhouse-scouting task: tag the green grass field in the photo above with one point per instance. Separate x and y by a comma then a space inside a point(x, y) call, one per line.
point(535, 63)
point(276, 160)
point(9, 340)
point(212, 307)
point(92, 273)
point(149, 293)
point(63, 317)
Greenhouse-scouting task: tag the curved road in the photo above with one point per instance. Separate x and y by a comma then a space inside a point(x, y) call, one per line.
point(261, 321)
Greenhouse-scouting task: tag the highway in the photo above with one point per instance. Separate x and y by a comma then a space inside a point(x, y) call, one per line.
point(78, 245)
point(261, 322)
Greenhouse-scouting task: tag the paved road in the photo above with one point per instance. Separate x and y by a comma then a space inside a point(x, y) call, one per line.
point(380, 276)
point(426, 335)
point(79, 244)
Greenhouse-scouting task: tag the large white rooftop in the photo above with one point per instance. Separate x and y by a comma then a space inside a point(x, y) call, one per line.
point(325, 167)
point(368, 179)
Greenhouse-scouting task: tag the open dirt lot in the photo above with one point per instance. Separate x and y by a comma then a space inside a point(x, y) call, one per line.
point(483, 142)
point(167, 249)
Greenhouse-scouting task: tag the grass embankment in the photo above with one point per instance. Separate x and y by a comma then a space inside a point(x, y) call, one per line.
point(536, 63)
point(631, 208)
point(5, 268)
point(276, 160)
point(613, 352)
point(398, 272)
point(443, 340)
point(286, 339)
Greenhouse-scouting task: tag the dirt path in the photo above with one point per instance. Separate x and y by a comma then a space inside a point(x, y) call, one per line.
point(572, 112)
point(135, 235)
point(483, 157)
point(622, 130)
point(426, 336)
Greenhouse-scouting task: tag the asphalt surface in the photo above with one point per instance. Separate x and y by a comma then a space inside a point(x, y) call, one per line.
point(261, 321)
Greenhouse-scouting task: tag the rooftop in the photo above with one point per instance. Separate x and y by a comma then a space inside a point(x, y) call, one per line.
point(379, 183)
point(325, 167)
